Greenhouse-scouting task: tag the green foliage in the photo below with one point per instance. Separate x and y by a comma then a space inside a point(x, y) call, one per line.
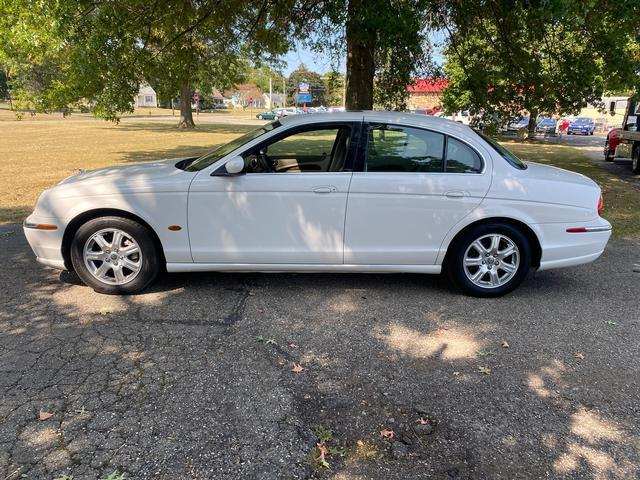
point(59, 54)
point(334, 83)
point(504, 57)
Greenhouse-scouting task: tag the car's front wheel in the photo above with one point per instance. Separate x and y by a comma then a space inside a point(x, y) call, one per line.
point(115, 255)
point(490, 260)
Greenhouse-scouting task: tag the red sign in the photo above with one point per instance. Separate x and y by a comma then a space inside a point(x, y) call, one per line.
point(196, 98)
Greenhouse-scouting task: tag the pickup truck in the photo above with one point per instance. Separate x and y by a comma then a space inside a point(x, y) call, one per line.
point(629, 145)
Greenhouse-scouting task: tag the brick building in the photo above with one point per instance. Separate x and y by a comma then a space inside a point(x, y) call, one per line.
point(426, 93)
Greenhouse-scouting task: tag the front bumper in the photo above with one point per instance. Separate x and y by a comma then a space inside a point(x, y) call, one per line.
point(46, 244)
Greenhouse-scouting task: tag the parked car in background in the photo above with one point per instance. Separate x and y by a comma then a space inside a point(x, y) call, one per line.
point(464, 117)
point(344, 192)
point(611, 143)
point(268, 115)
point(581, 126)
point(547, 126)
point(518, 124)
point(285, 112)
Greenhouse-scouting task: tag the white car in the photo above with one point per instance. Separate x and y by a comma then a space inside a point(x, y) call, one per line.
point(341, 192)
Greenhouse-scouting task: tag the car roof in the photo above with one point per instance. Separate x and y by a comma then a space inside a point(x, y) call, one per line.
point(401, 118)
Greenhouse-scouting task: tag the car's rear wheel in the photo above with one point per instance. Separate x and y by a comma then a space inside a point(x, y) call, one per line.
point(490, 260)
point(115, 255)
point(635, 159)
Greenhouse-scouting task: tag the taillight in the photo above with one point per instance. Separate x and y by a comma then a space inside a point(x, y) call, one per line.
point(600, 205)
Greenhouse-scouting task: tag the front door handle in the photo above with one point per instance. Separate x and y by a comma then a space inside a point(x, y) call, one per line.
point(454, 194)
point(325, 189)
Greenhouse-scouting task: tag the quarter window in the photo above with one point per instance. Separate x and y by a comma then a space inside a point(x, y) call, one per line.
point(461, 158)
point(393, 148)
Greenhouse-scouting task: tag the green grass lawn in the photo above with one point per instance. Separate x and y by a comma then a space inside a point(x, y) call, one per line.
point(36, 155)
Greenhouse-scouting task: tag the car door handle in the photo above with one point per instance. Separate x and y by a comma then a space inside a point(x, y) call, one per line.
point(454, 194)
point(325, 189)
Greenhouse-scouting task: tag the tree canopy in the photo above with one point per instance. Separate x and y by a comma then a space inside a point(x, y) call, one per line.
point(59, 53)
point(505, 57)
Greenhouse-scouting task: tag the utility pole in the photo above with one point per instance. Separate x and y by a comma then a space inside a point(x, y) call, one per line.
point(270, 95)
point(284, 93)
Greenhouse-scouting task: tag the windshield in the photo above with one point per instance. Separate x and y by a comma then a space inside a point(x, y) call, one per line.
point(504, 153)
point(547, 121)
point(582, 121)
point(215, 155)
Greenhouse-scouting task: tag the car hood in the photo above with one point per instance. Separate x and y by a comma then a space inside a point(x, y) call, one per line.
point(162, 175)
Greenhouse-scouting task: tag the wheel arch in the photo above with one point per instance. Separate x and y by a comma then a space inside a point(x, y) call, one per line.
point(84, 217)
point(534, 241)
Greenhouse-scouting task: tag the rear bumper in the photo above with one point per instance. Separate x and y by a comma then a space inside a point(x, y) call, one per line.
point(46, 244)
point(563, 249)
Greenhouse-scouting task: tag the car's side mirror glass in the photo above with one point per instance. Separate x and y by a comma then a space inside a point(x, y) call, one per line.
point(235, 166)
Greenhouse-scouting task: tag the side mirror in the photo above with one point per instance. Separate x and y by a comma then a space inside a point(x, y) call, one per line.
point(235, 166)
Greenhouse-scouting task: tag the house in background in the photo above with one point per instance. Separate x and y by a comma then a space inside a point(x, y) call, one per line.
point(426, 93)
point(276, 101)
point(245, 95)
point(146, 97)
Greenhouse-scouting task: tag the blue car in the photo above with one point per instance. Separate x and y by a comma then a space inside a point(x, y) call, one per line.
point(581, 126)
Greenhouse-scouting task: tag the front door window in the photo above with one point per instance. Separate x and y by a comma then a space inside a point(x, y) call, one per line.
point(310, 151)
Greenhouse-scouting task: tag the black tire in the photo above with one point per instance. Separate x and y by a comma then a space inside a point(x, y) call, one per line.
point(635, 159)
point(150, 261)
point(455, 267)
point(608, 157)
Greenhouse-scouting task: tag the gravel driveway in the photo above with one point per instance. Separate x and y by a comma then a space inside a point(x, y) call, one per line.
point(194, 378)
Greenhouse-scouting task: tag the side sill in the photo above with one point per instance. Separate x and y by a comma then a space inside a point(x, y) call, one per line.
point(300, 267)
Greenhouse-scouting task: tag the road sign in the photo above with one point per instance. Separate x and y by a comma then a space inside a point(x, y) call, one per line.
point(303, 87)
point(304, 98)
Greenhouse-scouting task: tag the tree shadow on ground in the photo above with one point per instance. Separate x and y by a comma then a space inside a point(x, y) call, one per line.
point(193, 378)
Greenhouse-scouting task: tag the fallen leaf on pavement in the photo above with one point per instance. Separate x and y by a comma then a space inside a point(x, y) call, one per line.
point(105, 311)
point(485, 370)
point(297, 368)
point(439, 332)
point(44, 415)
point(504, 344)
point(360, 443)
point(388, 434)
point(579, 355)
point(422, 421)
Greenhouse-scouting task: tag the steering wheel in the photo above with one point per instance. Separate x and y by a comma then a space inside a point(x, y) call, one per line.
point(265, 163)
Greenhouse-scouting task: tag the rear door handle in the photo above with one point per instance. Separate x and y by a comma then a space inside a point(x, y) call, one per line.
point(325, 189)
point(454, 194)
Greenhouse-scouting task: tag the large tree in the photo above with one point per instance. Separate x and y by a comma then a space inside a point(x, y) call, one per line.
point(385, 43)
point(60, 53)
point(508, 56)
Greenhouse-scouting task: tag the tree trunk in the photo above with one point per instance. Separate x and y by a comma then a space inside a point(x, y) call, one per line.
point(186, 117)
point(360, 61)
point(531, 128)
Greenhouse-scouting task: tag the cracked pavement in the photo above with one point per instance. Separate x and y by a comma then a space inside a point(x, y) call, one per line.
point(192, 379)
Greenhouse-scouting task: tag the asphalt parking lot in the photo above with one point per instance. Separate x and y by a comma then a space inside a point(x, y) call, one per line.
point(194, 378)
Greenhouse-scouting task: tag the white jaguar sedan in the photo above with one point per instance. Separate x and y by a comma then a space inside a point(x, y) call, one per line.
point(340, 192)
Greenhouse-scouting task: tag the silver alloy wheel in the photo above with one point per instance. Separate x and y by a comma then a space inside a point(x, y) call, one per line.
point(112, 256)
point(491, 260)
